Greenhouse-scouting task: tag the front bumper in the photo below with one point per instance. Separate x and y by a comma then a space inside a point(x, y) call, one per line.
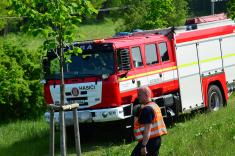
point(96, 115)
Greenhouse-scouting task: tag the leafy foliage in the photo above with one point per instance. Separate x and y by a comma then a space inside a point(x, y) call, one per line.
point(3, 12)
point(54, 19)
point(20, 90)
point(98, 3)
point(179, 14)
point(231, 9)
point(149, 14)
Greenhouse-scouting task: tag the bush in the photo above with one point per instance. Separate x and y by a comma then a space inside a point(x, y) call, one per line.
point(152, 14)
point(20, 90)
point(231, 9)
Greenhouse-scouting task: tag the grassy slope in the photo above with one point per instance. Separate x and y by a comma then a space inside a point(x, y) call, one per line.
point(98, 30)
point(206, 134)
point(24, 40)
point(24, 138)
point(103, 29)
point(203, 135)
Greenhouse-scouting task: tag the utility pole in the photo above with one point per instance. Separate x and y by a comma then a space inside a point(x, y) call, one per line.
point(213, 5)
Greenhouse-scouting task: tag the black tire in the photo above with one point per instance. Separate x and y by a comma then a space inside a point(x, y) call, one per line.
point(215, 98)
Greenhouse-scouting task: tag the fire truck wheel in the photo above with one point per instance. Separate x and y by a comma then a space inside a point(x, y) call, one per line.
point(215, 98)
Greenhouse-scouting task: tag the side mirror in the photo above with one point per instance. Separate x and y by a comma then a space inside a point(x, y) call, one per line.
point(125, 59)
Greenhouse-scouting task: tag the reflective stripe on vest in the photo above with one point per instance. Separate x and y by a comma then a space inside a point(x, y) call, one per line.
point(158, 126)
point(156, 133)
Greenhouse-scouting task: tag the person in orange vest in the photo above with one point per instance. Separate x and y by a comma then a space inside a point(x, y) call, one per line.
point(148, 125)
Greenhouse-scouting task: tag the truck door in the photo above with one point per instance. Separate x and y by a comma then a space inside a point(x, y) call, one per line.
point(125, 76)
point(168, 66)
point(153, 67)
point(189, 76)
point(228, 55)
point(140, 77)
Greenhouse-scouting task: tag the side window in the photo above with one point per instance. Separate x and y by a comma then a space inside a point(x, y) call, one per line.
point(163, 51)
point(151, 54)
point(136, 56)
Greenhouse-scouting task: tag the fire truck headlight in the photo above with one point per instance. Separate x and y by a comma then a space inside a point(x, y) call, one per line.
point(86, 116)
point(105, 76)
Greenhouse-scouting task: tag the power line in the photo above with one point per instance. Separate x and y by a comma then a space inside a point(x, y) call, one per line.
point(12, 17)
point(100, 10)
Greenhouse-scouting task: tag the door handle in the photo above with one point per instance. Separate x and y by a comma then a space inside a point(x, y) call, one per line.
point(160, 74)
point(133, 81)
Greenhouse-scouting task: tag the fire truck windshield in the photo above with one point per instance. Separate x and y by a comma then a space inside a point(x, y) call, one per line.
point(85, 65)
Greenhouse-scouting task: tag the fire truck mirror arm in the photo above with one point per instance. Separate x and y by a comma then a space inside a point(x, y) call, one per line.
point(46, 66)
point(124, 74)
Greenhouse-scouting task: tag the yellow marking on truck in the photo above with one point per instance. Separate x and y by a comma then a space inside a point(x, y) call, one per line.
point(229, 55)
point(175, 67)
point(205, 61)
point(147, 73)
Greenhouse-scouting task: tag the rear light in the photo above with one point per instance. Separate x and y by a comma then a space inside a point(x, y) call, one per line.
point(99, 41)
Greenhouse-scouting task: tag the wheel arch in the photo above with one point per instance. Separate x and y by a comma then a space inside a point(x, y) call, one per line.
point(218, 84)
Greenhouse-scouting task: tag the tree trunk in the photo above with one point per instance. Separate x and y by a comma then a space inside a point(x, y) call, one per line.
point(62, 94)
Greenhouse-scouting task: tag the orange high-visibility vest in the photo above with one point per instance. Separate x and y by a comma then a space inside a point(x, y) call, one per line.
point(158, 126)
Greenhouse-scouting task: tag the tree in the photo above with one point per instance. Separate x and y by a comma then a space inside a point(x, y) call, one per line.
point(19, 82)
point(55, 20)
point(231, 9)
point(3, 13)
point(150, 14)
point(180, 13)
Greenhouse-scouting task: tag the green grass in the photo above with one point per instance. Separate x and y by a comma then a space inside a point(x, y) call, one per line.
point(24, 138)
point(104, 29)
point(206, 134)
point(201, 135)
point(25, 40)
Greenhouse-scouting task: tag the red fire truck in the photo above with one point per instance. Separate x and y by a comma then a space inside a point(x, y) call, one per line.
point(186, 68)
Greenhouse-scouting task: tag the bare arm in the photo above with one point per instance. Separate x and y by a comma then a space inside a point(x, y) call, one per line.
point(146, 134)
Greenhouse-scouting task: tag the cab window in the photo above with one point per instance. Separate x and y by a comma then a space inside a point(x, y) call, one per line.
point(151, 54)
point(163, 51)
point(136, 57)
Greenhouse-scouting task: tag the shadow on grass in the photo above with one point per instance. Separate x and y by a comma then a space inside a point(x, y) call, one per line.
point(32, 146)
point(170, 122)
point(94, 137)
